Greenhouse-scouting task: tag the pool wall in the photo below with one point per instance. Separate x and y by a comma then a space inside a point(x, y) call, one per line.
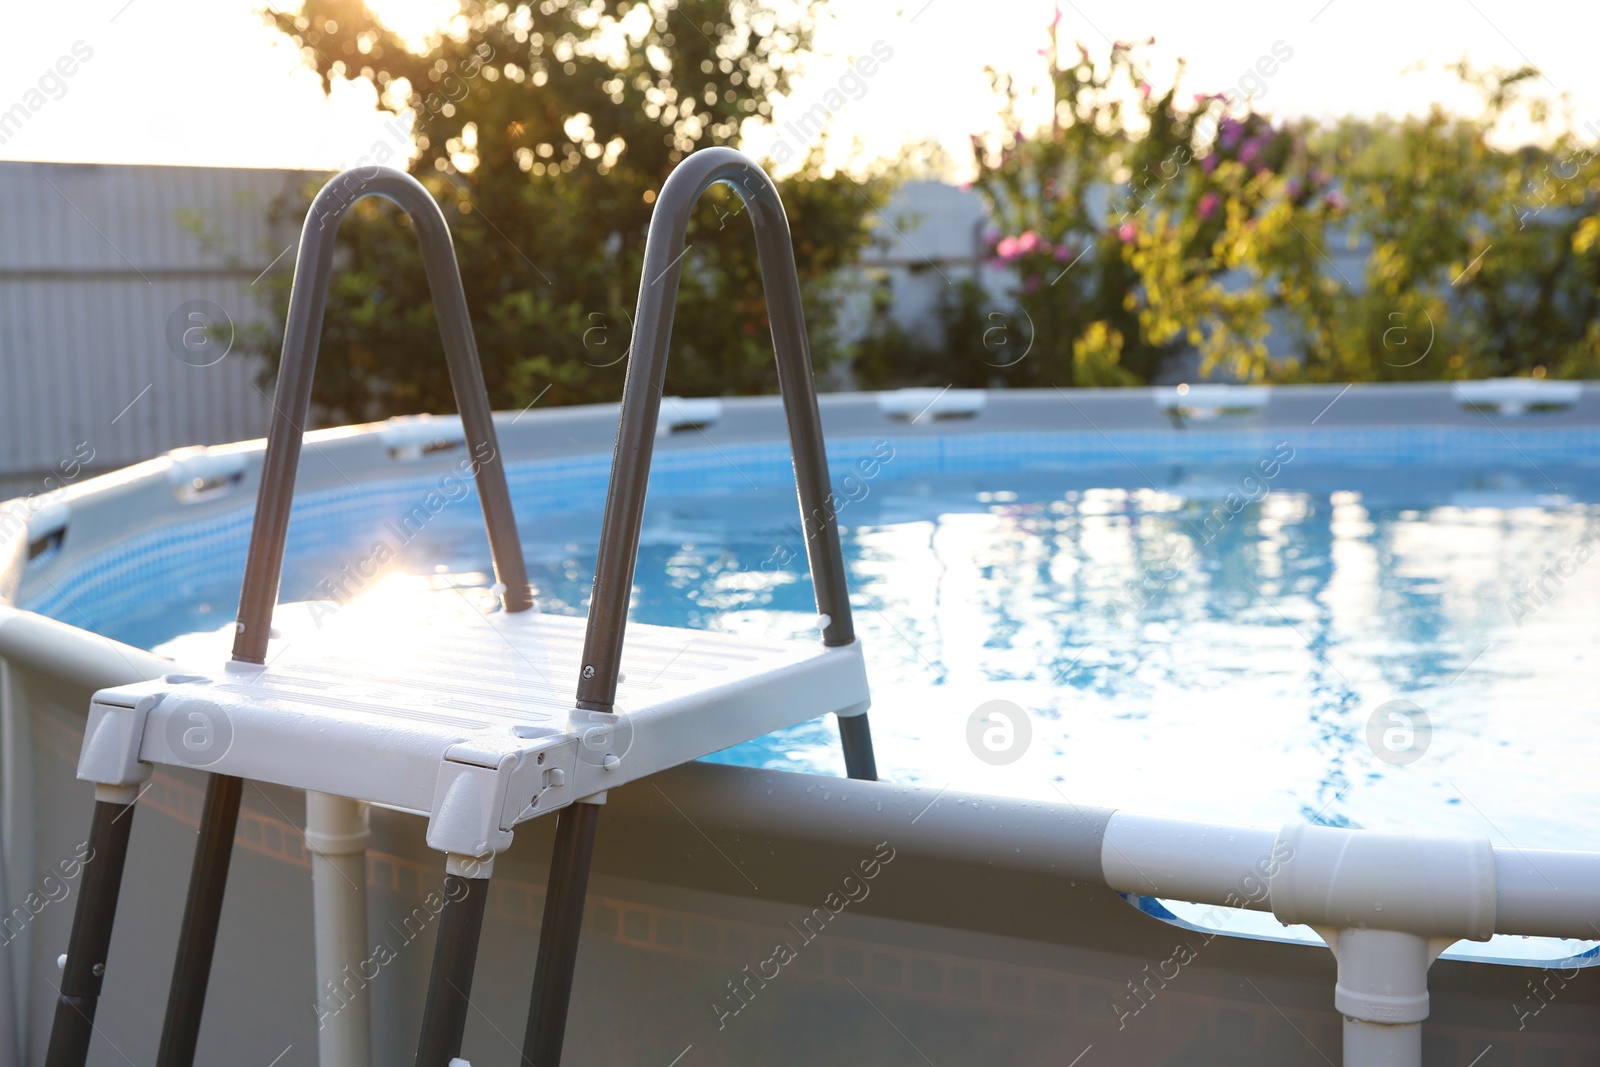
point(990, 936)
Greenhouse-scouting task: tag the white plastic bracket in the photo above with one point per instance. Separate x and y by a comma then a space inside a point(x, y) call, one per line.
point(1387, 905)
point(199, 473)
point(413, 436)
point(111, 739)
point(47, 518)
point(1363, 879)
point(680, 413)
point(1206, 402)
point(483, 791)
point(929, 405)
point(1517, 396)
point(1383, 974)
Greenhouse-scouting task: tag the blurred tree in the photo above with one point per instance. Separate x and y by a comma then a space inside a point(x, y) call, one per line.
point(544, 129)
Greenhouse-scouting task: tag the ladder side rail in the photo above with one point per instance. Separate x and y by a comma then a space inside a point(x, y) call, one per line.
point(641, 407)
point(308, 300)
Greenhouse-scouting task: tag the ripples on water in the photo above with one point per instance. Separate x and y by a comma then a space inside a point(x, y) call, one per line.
point(1237, 685)
point(1219, 671)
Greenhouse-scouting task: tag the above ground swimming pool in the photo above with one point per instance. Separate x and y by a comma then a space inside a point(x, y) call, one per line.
point(1201, 625)
point(1364, 608)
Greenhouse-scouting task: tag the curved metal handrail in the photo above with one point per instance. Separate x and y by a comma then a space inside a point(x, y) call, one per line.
point(302, 333)
point(641, 406)
point(619, 536)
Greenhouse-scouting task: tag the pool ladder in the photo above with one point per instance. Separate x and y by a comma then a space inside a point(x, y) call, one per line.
point(542, 757)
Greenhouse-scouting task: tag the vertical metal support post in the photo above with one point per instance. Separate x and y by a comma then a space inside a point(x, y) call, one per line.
point(856, 738)
point(91, 935)
point(558, 934)
point(444, 1016)
point(202, 912)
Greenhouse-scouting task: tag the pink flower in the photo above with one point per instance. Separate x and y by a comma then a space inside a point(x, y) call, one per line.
point(1028, 242)
point(1063, 254)
point(1057, 20)
point(1127, 232)
point(1336, 202)
point(1208, 204)
point(1006, 249)
point(1144, 90)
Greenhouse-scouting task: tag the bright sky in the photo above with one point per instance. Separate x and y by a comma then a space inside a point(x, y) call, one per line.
point(204, 82)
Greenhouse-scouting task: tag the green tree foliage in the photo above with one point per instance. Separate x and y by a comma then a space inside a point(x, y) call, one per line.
point(544, 129)
point(1484, 254)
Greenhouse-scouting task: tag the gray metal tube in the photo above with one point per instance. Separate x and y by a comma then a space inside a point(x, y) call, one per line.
point(641, 406)
point(302, 333)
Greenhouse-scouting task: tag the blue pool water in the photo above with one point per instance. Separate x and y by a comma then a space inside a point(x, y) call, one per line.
point(1197, 627)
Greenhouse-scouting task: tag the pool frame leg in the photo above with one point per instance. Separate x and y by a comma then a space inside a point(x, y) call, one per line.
point(202, 912)
point(90, 940)
point(455, 954)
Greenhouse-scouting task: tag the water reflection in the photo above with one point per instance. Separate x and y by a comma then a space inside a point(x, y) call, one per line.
point(1178, 663)
point(1184, 640)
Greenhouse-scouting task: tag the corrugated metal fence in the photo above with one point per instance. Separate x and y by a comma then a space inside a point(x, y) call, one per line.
point(109, 276)
point(110, 273)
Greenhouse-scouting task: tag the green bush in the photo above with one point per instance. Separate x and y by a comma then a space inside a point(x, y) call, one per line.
point(1132, 227)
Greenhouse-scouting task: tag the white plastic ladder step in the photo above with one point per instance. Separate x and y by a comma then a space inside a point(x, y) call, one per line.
point(423, 702)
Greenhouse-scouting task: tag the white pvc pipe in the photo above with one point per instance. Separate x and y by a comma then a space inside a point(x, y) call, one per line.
point(337, 833)
point(1379, 1045)
point(1546, 892)
point(1350, 886)
point(72, 656)
point(1202, 862)
point(1538, 892)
